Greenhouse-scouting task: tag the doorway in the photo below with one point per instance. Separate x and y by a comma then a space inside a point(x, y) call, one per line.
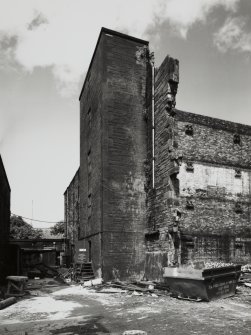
point(89, 251)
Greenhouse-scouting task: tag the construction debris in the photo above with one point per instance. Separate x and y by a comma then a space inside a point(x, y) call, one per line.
point(246, 268)
point(215, 265)
point(42, 270)
point(135, 332)
point(93, 282)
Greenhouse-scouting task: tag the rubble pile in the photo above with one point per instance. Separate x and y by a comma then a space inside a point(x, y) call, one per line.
point(246, 268)
point(134, 288)
point(215, 265)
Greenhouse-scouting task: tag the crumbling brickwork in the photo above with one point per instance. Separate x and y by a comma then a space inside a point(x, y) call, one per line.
point(202, 195)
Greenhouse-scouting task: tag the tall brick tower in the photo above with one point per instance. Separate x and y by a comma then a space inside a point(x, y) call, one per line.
point(112, 156)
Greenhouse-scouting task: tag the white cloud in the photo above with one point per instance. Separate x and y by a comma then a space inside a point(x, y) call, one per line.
point(62, 33)
point(232, 35)
point(182, 14)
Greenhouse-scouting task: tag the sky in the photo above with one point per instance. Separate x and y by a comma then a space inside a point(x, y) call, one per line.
point(45, 50)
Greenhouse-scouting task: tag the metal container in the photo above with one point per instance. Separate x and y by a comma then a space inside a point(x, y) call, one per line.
point(207, 284)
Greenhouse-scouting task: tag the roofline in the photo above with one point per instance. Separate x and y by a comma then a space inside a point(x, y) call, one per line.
point(216, 123)
point(4, 172)
point(72, 180)
point(110, 32)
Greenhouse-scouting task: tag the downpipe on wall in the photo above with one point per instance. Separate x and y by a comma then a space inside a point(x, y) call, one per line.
point(153, 125)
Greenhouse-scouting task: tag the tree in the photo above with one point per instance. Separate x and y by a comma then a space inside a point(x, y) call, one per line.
point(58, 228)
point(21, 230)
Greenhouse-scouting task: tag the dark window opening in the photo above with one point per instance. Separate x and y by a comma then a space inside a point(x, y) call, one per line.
point(89, 251)
point(238, 245)
point(152, 236)
point(238, 209)
point(237, 173)
point(189, 130)
point(189, 167)
point(189, 205)
point(175, 183)
point(237, 139)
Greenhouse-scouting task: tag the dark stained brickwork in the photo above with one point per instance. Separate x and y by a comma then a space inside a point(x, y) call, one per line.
point(91, 107)
point(213, 140)
point(202, 195)
point(112, 156)
point(72, 222)
point(124, 154)
point(200, 205)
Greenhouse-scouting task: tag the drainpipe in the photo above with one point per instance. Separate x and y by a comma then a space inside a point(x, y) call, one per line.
point(153, 126)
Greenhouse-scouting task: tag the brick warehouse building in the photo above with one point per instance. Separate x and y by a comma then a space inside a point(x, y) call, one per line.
point(157, 186)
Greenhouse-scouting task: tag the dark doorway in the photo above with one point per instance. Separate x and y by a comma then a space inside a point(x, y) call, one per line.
point(89, 251)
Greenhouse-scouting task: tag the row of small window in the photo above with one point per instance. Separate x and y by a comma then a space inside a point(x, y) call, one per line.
point(189, 131)
point(190, 168)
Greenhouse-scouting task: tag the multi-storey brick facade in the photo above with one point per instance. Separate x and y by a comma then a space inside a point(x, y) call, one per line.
point(112, 155)
point(202, 196)
point(195, 203)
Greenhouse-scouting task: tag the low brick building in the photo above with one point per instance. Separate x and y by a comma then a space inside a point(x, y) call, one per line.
point(157, 186)
point(71, 208)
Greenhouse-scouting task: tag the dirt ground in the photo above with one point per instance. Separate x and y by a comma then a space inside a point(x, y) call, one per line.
point(53, 308)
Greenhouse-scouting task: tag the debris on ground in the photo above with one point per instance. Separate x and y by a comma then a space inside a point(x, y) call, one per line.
point(138, 288)
point(93, 282)
point(41, 270)
point(135, 332)
point(77, 309)
point(215, 265)
point(246, 268)
point(245, 279)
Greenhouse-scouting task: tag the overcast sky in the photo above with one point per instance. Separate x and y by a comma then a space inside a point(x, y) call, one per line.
point(45, 50)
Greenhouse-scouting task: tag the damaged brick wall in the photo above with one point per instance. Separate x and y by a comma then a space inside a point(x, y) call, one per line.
point(202, 195)
point(215, 169)
point(214, 180)
point(200, 205)
point(163, 247)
